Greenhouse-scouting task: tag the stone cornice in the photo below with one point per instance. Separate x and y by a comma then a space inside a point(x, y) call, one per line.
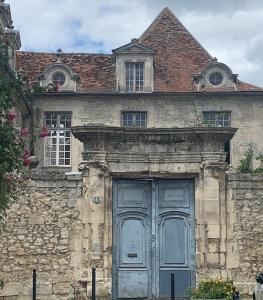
point(214, 96)
point(152, 135)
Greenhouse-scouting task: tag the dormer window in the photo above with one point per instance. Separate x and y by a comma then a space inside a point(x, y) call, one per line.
point(59, 75)
point(58, 78)
point(134, 76)
point(216, 78)
point(134, 68)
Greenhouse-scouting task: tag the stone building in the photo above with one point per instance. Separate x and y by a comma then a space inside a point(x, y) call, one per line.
point(138, 174)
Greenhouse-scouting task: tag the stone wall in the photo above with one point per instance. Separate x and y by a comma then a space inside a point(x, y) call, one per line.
point(56, 228)
point(245, 229)
point(39, 233)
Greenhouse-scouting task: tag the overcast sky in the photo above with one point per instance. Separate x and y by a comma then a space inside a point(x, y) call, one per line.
point(231, 30)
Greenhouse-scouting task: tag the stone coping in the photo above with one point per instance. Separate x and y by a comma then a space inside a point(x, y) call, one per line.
point(231, 176)
point(52, 174)
point(153, 135)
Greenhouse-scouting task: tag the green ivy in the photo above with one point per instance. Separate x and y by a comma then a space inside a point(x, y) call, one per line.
point(245, 165)
point(260, 159)
point(12, 144)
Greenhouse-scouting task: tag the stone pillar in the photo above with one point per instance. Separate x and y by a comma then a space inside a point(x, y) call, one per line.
point(213, 215)
point(96, 218)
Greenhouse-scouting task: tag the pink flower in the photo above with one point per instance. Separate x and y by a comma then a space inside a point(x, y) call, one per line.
point(11, 115)
point(24, 131)
point(26, 162)
point(26, 154)
point(44, 132)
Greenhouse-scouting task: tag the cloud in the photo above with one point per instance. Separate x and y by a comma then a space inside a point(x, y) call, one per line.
point(229, 30)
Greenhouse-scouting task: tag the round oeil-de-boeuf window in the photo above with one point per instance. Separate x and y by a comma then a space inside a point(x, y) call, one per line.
point(58, 78)
point(216, 78)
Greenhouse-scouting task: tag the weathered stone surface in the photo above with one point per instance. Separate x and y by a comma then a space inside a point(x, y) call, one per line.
point(245, 233)
point(38, 234)
point(12, 289)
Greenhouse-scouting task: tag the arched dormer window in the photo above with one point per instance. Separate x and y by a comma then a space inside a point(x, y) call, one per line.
point(59, 75)
point(215, 76)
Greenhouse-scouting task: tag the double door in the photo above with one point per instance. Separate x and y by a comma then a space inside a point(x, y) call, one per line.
point(153, 236)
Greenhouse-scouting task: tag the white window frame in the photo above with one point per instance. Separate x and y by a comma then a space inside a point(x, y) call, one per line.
point(134, 119)
point(62, 135)
point(134, 78)
point(216, 122)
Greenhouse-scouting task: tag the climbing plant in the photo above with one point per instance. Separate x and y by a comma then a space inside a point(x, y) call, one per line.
point(14, 153)
point(260, 159)
point(245, 165)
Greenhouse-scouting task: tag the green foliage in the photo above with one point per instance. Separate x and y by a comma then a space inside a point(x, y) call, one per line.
point(245, 165)
point(213, 289)
point(36, 88)
point(12, 144)
point(260, 168)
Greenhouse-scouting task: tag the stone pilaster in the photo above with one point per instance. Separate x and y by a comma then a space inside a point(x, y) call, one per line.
point(213, 224)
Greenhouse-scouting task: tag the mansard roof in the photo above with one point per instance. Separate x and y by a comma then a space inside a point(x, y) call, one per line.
point(177, 57)
point(96, 71)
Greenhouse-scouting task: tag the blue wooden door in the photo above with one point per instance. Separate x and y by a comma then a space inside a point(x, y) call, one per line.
point(153, 236)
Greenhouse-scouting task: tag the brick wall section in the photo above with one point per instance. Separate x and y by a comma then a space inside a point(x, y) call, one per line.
point(245, 229)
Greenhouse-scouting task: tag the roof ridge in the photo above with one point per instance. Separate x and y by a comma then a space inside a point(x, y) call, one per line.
point(65, 53)
point(159, 17)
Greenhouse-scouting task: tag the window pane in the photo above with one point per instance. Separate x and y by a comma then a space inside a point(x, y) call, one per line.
point(134, 76)
point(134, 119)
point(217, 118)
point(57, 144)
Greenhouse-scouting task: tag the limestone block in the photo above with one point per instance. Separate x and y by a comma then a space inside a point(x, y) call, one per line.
point(36, 220)
point(74, 176)
point(62, 288)
point(242, 288)
point(212, 259)
point(211, 193)
point(245, 185)
point(11, 289)
point(213, 231)
point(232, 261)
point(43, 289)
point(211, 205)
point(258, 185)
point(211, 212)
point(212, 245)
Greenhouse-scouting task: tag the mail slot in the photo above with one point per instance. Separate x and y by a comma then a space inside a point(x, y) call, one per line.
point(132, 254)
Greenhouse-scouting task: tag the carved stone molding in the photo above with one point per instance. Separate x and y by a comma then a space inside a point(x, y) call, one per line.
point(106, 138)
point(103, 145)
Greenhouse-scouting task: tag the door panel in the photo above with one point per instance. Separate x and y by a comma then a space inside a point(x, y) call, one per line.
point(174, 241)
point(182, 282)
point(132, 284)
point(133, 241)
point(153, 236)
point(174, 194)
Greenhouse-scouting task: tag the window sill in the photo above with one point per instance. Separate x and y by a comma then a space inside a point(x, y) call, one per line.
point(58, 169)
